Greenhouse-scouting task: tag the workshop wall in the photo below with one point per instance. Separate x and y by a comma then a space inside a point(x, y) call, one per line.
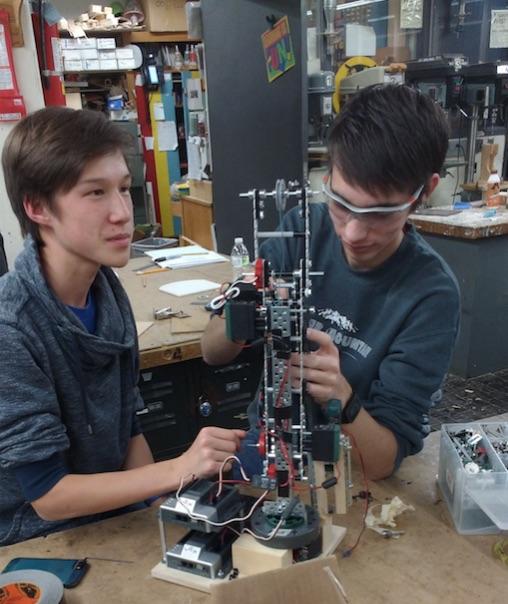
point(71, 8)
point(27, 75)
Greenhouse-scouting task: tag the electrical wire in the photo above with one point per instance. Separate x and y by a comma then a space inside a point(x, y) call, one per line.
point(347, 552)
point(204, 519)
point(242, 472)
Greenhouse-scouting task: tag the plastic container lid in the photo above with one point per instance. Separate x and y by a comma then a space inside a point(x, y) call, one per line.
point(238, 240)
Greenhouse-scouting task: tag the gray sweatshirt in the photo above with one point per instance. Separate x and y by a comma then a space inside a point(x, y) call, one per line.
point(61, 388)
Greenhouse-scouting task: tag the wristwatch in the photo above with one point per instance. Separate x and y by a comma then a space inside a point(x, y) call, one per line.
point(351, 410)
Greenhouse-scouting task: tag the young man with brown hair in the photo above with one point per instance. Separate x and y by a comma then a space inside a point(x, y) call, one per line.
point(71, 448)
point(387, 308)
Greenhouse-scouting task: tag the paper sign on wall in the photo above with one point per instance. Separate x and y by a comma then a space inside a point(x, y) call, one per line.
point(166, 136)
point(278, 49)
point(499, 29)
point(411, 14)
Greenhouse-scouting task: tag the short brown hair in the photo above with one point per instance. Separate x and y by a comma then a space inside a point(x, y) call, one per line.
point(48, 150)
point(389, 139)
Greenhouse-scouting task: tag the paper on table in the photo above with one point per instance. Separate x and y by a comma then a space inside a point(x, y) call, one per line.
point(189, 286)
point(185, 257)
point(175, 252)
point(190, 261)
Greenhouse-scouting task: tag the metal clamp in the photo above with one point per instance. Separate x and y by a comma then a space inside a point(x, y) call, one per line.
point(167, 313)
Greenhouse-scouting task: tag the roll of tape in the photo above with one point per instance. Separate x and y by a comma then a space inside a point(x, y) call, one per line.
point(30, 587)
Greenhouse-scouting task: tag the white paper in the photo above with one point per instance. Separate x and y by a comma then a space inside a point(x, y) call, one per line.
point(194, 159)
point(167, 136)
point(190, 261)
point(194, 94)
point(499, 29)
point(411, 14)
point(188, 287)
point(177, 251)
point(149, 143)
point(158, 112)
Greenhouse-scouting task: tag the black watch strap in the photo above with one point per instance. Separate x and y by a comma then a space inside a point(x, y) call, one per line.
point(351, 410)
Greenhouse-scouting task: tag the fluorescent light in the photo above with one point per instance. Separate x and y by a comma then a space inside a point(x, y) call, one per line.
point(356, 3)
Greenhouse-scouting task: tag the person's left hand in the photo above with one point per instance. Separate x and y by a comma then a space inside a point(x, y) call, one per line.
point(321, 370)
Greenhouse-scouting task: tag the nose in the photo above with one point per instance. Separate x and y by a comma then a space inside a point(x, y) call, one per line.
point(355, 230)
point(121, 207)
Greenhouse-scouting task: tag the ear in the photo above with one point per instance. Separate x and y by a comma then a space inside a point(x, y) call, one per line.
point(37, 211)
point(431, 184)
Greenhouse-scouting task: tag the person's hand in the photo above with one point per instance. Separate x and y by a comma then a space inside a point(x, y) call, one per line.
point(321, 370)
point(211, 447)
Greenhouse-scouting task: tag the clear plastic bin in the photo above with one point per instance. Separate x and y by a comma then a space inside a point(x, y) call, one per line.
point(478, 503)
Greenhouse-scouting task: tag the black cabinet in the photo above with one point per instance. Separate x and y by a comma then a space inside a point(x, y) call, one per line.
point(166, 421)
point(182, 398)
point(225, 391)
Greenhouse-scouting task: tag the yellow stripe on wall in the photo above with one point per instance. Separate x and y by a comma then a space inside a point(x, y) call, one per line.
point(161, 169)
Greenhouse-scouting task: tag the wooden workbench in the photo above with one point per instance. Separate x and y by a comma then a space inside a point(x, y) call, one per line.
point(429, 564)
point(159, 345)
point(468, 224)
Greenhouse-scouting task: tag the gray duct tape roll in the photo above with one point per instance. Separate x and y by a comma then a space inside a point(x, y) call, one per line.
point(35, 586)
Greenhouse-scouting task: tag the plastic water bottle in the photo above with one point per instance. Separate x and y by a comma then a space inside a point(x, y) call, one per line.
point(239, 258)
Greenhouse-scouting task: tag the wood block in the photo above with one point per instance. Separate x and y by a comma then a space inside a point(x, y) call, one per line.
point(251, 557)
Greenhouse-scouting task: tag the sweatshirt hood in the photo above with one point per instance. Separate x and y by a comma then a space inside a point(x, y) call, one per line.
point(114, 340)
point(114, 335)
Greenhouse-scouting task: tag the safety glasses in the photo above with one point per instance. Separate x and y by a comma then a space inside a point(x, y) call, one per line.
point(382, 211)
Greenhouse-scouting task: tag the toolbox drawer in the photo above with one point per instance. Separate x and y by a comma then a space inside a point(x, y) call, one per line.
point(166, 420)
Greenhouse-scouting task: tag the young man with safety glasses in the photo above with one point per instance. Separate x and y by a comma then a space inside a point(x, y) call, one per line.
point(387, 307)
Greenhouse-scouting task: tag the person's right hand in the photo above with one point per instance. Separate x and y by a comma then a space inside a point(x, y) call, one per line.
point(211, 447)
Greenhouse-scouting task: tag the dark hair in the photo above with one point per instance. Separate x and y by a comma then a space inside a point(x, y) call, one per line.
point(388, 139)
point(48, 150)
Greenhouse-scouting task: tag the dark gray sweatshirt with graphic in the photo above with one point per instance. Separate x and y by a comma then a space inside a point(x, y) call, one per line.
point(62, 389)
point(395, 326)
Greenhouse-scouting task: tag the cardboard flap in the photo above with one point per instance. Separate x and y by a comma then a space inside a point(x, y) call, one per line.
point(299, 584)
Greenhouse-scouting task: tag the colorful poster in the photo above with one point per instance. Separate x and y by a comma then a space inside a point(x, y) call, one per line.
point(278, 49)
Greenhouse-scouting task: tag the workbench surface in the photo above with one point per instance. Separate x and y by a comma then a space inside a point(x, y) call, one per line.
point(160, 344)
point(429, 564)
point(468, 224)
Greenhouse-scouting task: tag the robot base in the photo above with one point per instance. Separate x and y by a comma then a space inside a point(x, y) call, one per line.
point(250, 558)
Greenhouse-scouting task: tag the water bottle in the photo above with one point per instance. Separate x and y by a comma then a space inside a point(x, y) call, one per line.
point(239, 258)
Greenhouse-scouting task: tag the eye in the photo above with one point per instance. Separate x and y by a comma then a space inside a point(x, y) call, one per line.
point(125, 189)
point(95, 192)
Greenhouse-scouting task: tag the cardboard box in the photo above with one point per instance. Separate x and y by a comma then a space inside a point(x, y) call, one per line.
point(83, 43)
point(126, 64)
point(165, 15)
point(313, 581)
point(73, 66)
point(89, 53)
point(106, 43)
point(124, 53)
point(107, 54)
point(201, 189)
point(71, 55)
point(108, 64)
point(92, 65)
